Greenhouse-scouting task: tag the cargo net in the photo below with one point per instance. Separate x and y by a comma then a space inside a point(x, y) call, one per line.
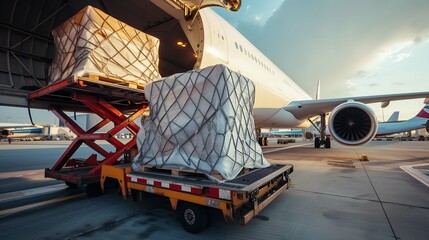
point(92, 42)
point(200, 120)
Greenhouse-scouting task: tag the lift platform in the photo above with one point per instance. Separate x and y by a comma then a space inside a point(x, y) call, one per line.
point(112, 102)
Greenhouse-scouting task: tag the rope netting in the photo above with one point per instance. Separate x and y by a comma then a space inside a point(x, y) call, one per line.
point(201, 120)
point(92, 42)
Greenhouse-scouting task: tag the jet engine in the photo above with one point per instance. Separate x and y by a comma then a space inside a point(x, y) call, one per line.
point(352, 123)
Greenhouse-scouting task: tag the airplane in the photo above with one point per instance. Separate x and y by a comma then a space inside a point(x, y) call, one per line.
point(393, 126)
point(192, 37)
point(291, 132)
point(279, 101)
point(394, 117)
point(417, 122)
point(19, 130)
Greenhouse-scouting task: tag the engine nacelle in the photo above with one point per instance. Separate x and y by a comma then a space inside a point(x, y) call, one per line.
point(353, 123)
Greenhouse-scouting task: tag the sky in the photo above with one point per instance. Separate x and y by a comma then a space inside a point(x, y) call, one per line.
point(355, 48)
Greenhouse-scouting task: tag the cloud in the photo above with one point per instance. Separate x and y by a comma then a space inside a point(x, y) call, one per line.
point(337, 40)
point(373, 85)
point(400, 57)
point(361, 74)
point(418, 39)
point(351, 84)
point(259, 17)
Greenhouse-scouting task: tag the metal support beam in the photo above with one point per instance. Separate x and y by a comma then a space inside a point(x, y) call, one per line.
point(323, 127)
point(108, 113)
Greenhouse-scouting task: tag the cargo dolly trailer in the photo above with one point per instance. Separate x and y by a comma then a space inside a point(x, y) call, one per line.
point(112, 102)
point(191, 193)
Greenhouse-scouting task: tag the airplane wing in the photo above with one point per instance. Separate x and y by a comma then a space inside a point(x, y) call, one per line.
point(5, 126)
point(309, 108)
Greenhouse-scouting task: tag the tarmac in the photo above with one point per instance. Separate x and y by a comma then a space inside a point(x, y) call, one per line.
point(333, 195)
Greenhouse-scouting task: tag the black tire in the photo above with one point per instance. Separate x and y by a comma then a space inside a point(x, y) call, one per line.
point(317, 142)
point(265, 141)
point(93, 190)
point(134, 195)
point(328, 143)
point(193, 217)
point(70, 185)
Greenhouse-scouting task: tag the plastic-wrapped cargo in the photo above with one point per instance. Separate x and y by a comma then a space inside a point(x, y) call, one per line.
point(200, 120)
point(92, 42)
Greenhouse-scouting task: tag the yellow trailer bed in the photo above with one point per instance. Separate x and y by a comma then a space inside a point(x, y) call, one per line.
point(239, 199)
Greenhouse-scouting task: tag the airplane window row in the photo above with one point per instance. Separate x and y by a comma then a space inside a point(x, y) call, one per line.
point(219, 36)
point(251, 56)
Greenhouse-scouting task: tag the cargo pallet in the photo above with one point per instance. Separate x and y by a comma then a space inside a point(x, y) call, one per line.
point(110, 102)
point(240, 199)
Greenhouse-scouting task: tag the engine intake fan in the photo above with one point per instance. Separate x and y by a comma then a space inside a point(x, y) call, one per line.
point(352, 123)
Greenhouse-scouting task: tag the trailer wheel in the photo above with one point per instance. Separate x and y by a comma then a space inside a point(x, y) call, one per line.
point(70, 185)
point(93, 190)
point(317, 142)
point(193, 217)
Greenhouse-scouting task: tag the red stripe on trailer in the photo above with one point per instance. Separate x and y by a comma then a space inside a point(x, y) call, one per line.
point(141, 180)
point(212, 192)
point(175, 187)
point(198, 191)
point(166, 184)
point(218, 193)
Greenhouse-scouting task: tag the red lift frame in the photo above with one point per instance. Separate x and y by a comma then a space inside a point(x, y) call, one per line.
point(81, 172)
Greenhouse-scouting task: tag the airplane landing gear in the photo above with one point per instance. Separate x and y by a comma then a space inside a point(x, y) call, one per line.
point(322, 140)
point(263, 141)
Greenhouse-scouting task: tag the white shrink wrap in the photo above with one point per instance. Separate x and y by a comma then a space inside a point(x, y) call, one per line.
point(92, 42)
point(200, 120)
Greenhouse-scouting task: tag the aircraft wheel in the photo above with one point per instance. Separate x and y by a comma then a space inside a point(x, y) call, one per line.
point(317, 142)
point(194, 217)
point(328, 143)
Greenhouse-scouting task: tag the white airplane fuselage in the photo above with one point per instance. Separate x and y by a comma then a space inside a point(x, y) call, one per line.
point(279, 101)
point(223, 44)
point(21, 132)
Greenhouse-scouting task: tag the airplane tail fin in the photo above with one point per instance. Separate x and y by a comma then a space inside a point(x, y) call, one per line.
point(394, 117)
point(318, 90)
point(424, 113)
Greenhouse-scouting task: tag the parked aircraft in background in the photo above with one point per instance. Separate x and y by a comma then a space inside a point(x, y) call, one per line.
point(391, 127)
point(279, 101)
point(288, 133)
point(394, 117)
point(414, 123)
point(18, 130)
